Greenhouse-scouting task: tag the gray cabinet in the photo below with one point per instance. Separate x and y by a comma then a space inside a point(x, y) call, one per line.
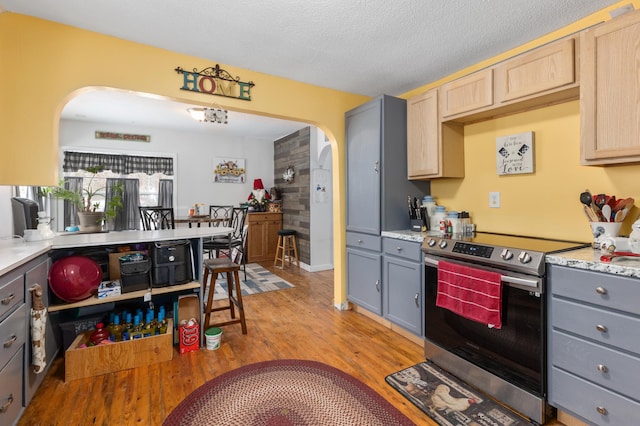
point(364, 283)
point(594, 345)
point(37, 273)
point(403, 277)
point(377, 184)
point(18, 382)
point(377, 190)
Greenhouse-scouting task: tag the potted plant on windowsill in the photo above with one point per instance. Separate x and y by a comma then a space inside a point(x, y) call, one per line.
point(89, 218)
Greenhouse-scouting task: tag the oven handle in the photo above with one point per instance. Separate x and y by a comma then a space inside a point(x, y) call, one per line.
point(504, 278)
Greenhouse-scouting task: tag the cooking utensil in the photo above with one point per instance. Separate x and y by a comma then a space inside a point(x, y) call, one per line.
point(622, 209)
point(607, 258)
point(606, 212)
point(590, 214)
point(600, 200)
point(587, 199)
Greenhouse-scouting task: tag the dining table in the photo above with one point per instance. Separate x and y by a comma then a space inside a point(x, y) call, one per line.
point(199, 219)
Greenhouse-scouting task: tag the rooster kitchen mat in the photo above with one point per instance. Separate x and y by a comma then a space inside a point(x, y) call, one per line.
point(448, 401)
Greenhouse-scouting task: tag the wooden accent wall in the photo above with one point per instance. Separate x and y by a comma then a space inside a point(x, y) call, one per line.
point(293, 150)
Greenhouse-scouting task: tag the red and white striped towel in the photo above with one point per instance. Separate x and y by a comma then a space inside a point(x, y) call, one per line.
point(471, 293)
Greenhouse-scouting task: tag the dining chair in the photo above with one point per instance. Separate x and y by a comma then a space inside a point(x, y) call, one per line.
point(154, 218)
point(235, 240)
point(220, 212)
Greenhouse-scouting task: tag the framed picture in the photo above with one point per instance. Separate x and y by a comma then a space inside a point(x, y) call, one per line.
point(514, 154)
point(228, 170)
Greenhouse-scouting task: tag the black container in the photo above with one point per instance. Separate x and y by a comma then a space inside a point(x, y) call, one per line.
point(172, 263)
point(134, 272)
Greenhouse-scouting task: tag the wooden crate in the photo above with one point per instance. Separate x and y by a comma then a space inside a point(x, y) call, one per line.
point(102, 359)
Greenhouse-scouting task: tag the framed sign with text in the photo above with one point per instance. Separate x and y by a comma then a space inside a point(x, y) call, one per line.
point(514, 154)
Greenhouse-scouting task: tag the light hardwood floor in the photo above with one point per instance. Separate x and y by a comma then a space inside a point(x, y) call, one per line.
point(298, 323)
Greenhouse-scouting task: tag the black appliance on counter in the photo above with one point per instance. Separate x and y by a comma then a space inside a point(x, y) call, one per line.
point(171, 262)
point(508, 363)
point(25, 215)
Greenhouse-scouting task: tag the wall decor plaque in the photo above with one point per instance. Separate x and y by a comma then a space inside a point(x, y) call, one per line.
point(514, 154)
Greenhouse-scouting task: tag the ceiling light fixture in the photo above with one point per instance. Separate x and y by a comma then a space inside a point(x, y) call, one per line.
point(209, 115)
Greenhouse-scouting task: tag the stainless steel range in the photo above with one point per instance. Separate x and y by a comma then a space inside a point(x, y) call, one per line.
point(506, 363)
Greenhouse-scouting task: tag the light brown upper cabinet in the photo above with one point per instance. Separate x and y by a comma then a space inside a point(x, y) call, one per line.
point(467, 94)
point(610, 91)
point(546, 68)
point(540, 77)
point(434, 150)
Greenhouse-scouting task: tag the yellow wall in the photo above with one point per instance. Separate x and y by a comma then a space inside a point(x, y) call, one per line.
point(45, 64)
point(545, 203)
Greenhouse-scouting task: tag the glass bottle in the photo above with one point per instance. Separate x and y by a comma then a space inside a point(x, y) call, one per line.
point(99, 334)
point(162, 323)
point(136, 331)
point(116, 329)
point(127, 328)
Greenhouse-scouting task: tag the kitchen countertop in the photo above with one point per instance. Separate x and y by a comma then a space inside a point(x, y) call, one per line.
point(589, 259)
point(407, 235)
point(584, 258)
point(15, 252)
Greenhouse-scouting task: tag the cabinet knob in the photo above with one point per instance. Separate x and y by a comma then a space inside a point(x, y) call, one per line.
point(601, 328)
point(600, 409)
point(378, 286)
point(416, 299)
point(7, 404)
point(375, 166)
point(8, 299)
point(601, 290)
point(399, 248)
point(359, 241)
point(602, 368)
point(10, 342)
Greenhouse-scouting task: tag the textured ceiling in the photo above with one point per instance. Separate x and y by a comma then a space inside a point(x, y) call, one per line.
point(367, 47)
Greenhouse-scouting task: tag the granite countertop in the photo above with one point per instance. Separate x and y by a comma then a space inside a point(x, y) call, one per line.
point(585, 258)
point(407, 235)
point(589, 259)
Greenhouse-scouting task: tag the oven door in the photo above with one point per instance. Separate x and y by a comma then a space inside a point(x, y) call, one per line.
point(515, 352)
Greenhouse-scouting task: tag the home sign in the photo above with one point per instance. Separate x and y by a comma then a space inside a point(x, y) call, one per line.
point(215, 81)
point(514, 154)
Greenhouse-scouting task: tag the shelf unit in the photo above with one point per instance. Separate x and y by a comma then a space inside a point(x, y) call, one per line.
point(93, 300)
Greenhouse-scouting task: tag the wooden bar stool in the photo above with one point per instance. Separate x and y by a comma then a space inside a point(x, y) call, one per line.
point(287, 247)
point(219, 266)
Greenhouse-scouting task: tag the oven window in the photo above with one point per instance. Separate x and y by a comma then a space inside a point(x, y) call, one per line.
point(514, 353)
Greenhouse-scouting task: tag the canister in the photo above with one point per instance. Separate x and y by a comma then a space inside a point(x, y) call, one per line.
point(439, 215)
point(455, 221)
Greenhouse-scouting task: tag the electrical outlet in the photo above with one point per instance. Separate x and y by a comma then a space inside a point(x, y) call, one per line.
point(494, 200)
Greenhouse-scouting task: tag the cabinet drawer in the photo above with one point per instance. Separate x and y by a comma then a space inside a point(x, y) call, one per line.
point(611, 291)
point(12, 334)
point(409, 250)
point(11, 389)
point(584, 399)
point(258, 217)
point(619, 330)
point(11, 295)
point(612, 369)
point(364, 241)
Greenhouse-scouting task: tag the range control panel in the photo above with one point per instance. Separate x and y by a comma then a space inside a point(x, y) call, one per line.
point(529, 262)
point(473, 250)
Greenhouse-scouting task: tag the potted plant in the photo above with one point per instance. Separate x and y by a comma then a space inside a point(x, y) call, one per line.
point(89, 218)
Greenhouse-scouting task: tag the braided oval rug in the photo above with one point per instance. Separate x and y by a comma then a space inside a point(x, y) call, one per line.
point(282, 393)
